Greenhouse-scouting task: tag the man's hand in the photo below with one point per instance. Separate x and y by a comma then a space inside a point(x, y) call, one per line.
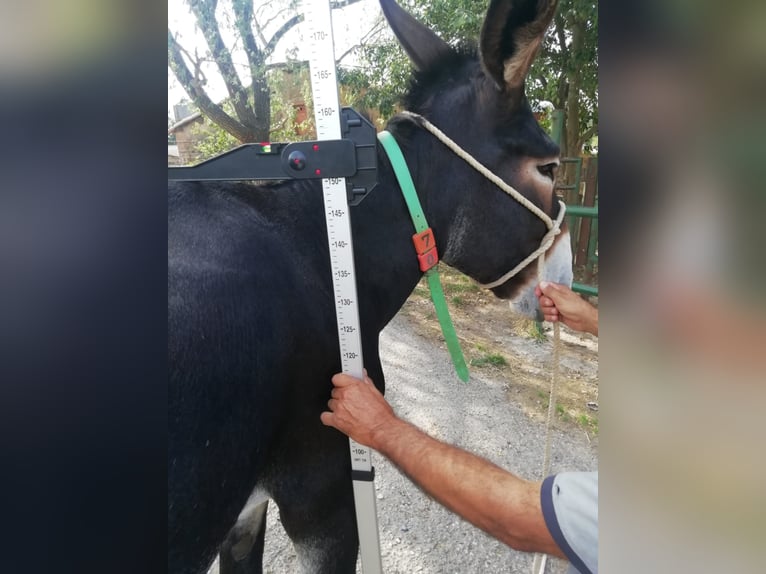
point(560, 303)
point(357, 409)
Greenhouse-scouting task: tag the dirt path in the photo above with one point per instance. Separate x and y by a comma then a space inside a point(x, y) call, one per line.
point(498, 415)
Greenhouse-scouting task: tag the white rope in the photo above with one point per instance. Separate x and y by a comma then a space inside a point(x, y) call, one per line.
point(442, 137)
point(554, 227)
point(538, 253)
point(540, 561)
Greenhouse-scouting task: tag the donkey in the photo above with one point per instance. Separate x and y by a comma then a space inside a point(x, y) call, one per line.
point(251, 320)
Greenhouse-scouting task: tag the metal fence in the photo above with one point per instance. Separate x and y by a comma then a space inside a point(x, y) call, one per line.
point(581, 197)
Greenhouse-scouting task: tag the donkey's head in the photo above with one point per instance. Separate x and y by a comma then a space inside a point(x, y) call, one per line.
point(480, 103)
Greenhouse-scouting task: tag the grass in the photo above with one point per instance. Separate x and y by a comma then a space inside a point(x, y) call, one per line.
point(467, 301)
point(536, 331)
point(455, 282)
point(493, 359)
point(463, 287)
point(421, 291)
point(588, 423)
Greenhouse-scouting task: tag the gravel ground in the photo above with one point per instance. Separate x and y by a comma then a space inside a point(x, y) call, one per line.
point(417, 535)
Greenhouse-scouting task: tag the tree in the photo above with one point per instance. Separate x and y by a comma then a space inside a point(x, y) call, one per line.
point(566, 71)
point(258, 31)
point(171, 137)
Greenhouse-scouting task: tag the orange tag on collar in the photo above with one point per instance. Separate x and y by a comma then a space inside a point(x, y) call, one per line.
point(424, 241)
point(425, 246)
point(428, 259)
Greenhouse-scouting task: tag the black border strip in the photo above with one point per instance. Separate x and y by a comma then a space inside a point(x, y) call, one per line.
point(549, 514)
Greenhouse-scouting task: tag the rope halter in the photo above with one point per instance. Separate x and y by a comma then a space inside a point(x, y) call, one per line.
point(554, 226)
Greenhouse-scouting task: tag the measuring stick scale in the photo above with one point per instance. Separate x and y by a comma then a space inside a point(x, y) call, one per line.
point(324, 89)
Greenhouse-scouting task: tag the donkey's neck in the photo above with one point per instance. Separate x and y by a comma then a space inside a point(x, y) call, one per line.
point(387, 265)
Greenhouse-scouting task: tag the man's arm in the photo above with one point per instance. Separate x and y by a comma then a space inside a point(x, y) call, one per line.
point(500, 503)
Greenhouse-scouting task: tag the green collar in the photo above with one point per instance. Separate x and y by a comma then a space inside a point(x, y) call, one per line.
point(425, 247)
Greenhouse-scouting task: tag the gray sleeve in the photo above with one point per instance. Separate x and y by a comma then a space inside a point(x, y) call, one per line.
point(570, 506)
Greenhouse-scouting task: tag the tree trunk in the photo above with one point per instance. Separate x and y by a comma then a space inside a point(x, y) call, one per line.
point(197, 93)
point(573, 95)
point(571, 132)
point(262, 108)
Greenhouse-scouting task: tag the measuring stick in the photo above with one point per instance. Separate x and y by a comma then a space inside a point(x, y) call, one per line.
point(324, 88)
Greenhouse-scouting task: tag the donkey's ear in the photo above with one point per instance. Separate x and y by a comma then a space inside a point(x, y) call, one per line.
point(422, 46)
point(511, 36)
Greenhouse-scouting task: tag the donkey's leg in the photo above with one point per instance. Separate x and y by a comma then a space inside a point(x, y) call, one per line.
point(316, 507)
point(242, 550)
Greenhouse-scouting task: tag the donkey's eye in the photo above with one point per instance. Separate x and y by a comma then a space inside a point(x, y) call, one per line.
point(548, 170)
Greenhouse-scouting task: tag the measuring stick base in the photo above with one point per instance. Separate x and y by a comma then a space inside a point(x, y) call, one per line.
point(366, 518)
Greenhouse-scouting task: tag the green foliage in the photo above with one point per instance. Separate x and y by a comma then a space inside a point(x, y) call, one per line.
point(562, 413)
point(422, 291)
point(290, 88)
point(211, 139)
point(455, 21)
point(536, 331)
point(354, 91)
point(567, 65)
point(247, 65)
point(387, 73)
point(568, 61)
point(493, 359)
point(588, 423)
point(459, 284)
point(387, 67)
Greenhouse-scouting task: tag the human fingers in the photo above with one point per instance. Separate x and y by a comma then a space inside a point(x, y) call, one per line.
point(344, 380)
point(328, 419)
point(547, 302)
point(551, 290)
point(563, 298)
point(550, 296)
point(366, 378)
point(552, 316)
